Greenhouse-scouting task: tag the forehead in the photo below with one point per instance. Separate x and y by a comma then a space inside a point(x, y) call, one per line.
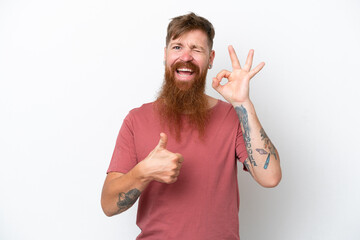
point(193, 37)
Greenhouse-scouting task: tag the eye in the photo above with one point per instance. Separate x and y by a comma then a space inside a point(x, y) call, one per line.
point(176, 47)
point(196, 49)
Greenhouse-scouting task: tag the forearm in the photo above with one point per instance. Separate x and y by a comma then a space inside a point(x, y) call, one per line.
point(263, 160)
point(121, 191)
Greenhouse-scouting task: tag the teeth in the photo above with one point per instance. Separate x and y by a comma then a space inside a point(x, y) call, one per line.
point(185, 70)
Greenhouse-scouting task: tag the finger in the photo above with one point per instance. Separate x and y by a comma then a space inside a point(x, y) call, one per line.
point(249, 60)
point(223, 74)
point(216, 81)
point(234, 59)
point(179, 166)
point(176, 174)
point(163, 141)
point(257, 69)
point(216, 84)
point(180, 157)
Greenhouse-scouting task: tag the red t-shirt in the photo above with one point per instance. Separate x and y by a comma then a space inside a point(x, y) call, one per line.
point(203, 204)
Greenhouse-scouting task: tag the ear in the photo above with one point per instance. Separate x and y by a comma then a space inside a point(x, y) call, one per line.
point(212, 56)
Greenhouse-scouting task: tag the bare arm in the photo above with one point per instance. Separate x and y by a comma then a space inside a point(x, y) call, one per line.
point(120, 191)
point(263, 160)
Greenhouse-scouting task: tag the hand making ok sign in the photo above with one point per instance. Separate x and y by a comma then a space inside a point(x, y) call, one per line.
point(236, 90)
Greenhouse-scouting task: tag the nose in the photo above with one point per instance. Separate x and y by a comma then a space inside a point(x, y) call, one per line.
point(186, 56)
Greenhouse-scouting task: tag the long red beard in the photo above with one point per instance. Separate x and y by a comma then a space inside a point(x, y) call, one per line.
point(177, 99)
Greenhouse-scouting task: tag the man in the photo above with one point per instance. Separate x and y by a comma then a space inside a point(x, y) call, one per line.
point(187, 179)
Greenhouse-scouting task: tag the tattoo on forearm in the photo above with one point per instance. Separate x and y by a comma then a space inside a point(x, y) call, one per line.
point(243, 117)
point(246, 164)
point(267, 143)
point(267, 161)
point(126, 200)
point(261, 151)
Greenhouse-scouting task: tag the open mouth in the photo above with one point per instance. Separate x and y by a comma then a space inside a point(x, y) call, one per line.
point(184, 71)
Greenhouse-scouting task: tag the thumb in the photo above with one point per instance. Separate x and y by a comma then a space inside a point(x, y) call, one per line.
point(163, 141)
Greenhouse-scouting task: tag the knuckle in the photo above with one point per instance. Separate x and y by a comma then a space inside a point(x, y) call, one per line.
point(169, 180)
point(173, 172)
point(175, 157)
point(173, 179)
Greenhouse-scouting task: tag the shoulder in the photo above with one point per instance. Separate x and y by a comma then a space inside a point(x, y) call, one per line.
point(142, 114)
point(224, 104)
point(223, 107)
point(143, 109)
point(223, 112)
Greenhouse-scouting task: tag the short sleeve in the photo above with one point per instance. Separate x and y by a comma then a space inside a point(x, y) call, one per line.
point(241, 152)
point(124, 156)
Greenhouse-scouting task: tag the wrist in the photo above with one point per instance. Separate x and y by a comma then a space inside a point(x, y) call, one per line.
point(140, 173)
point(242, 103)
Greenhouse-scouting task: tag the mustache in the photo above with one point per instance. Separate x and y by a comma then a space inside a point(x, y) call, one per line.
point(181, 64)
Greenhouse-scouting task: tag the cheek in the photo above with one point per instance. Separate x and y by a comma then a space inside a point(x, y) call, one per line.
point(204, 66)
point(202, 61)
point(171, 58)
point(169, 62)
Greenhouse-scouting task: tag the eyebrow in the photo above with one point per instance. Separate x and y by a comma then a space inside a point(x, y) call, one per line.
point(176, 43)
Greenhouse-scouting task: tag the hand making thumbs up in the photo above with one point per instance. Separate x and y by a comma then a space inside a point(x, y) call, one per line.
point(162, 165)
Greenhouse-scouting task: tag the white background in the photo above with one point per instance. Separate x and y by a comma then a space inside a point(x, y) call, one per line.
point(71, 70)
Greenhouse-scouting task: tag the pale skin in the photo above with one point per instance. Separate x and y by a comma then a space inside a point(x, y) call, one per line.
point(120, 191)
point(263, 162)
